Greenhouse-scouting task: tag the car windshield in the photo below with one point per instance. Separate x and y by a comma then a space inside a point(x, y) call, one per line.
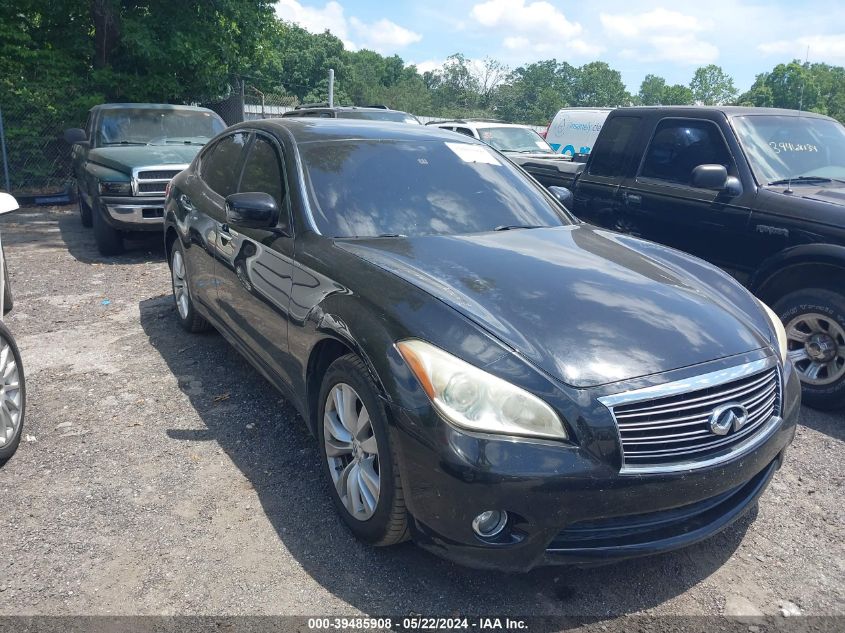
point(157, 126)
point(378, 115)
point(781, 148)
point(514, 139)
point(369, 188)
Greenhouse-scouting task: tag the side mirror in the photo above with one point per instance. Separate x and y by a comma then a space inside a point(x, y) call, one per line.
point(8, 203)
point(715, 177)
point(254, 209)
point(75, 135)
point(563, 195)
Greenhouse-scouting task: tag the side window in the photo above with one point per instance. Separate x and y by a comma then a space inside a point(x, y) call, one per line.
point(263, 171)
point(678, 146)
point(464, 130)
point(218, 167)
point(89, 126)
point(614, 149)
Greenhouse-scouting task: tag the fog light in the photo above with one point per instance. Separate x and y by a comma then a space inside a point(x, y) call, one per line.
point(490, 523)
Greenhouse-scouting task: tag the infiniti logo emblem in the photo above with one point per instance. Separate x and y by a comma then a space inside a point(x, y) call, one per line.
point(726, 417)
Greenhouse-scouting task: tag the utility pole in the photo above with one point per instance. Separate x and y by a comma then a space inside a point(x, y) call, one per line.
point(331, 87)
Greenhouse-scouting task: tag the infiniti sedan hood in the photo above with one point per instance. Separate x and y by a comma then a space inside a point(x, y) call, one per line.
point(587, 306)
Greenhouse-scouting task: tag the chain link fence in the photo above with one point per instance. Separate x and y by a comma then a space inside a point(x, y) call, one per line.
point(36, 161)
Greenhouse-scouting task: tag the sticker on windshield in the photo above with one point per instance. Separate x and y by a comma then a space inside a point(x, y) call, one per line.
point(784, 146)
point(473, 153)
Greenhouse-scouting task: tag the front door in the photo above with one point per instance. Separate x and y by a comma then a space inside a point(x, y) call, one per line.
point(254, 266)
point(660, 203)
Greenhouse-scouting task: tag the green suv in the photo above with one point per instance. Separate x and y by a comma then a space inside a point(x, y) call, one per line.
point(124, 159)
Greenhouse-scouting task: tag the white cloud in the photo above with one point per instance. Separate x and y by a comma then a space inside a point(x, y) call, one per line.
point(427, 65)
point(660, 35)
point(828, 47)
point(533, 28)
point(382, 36)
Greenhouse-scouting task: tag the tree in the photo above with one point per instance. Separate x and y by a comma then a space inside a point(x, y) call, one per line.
point(597, 84)
point(712, 86)
point(535, 92)
point(652, 90)
point(677, 94)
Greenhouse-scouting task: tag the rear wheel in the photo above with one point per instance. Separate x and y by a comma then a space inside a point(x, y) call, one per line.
point(814, 320)
point(185, 311)
point(84, 210)
point(359, 460)
point(12, 395)
point(109, 240)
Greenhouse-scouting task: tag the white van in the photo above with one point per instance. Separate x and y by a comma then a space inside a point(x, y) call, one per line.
point(574, 130)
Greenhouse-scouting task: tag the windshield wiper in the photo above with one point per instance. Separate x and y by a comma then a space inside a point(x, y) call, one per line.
point(512, 227)
point(368, 237)
point(127, 143)
point(184, 142)
point(804, 179)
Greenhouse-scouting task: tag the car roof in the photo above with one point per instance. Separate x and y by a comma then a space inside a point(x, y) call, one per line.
point(148, 106)
point(479, 124)
point(728, 111)
point(308, 130)
point(340, 108)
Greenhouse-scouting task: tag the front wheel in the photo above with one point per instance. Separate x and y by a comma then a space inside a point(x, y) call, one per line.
point(109, 239)
point(12, 395)
point(814, 320)
point(357, 456)
point(84, 210)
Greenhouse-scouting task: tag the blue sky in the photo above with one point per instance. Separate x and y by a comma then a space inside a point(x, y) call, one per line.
point(670, 39)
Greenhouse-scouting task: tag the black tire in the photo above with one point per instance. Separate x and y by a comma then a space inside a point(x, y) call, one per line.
point(831, 306)
point(8, 299)
point(109, 240)
point(11, 445)
point(191, 321)
point(84, 210)
point(388, 524)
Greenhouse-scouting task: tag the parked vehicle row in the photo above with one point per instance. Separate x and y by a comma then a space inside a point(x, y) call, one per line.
point(759, 192)
point(485, 374)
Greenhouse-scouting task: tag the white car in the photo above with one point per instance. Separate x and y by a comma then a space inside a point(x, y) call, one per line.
point(574, 130)
point(12, 384)
point(509, 138)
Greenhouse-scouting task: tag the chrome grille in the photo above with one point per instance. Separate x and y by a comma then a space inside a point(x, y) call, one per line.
point(668, 429)
point(152, 181)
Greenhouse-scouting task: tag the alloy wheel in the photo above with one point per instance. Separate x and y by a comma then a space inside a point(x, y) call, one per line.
point(352, 451)
point(180, 287)
point(10, 395)
point(817, 348)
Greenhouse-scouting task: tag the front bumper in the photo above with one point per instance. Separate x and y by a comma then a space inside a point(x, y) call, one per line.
point(134, 213)
point(568, 506)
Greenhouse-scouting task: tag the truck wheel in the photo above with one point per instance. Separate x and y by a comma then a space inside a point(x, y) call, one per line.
point(84, 210)
point(12, 395)
point(814, 319)
point(109, 240)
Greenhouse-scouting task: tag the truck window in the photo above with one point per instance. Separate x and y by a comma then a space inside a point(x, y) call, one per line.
point(680, 145)
point(614, 147)
point(220, 161)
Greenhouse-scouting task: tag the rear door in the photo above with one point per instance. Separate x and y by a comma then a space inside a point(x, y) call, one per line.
point(661, 204)
point(254, 266)
point(597, 192)
point(204, 203)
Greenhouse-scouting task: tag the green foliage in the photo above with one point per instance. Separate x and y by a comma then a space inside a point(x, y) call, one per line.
point(812, 87)
point(597, 84)
point(712, 86)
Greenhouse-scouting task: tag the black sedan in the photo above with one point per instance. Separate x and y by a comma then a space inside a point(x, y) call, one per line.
point(485, 374)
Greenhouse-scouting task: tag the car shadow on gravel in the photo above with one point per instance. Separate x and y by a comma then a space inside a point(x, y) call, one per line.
point(139, 247)
point(279, 457)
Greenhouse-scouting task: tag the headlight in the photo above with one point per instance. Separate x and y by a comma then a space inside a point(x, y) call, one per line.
point(115, 188)
point(473, 399)
point(777, 326)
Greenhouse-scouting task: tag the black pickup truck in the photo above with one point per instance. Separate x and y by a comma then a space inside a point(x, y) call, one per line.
point(759, 192)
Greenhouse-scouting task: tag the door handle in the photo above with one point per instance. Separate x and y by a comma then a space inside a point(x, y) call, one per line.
point(633, 199)
point(225, 236)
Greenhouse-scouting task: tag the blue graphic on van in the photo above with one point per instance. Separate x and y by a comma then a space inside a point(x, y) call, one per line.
point(569, 149)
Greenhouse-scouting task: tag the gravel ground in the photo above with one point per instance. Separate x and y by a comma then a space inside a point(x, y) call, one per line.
point(162, 475)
